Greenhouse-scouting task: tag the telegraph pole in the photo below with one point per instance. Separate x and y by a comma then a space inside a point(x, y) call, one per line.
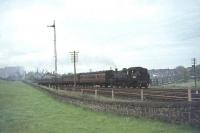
point(55, 52)
point(74, 59)
point(194, 70)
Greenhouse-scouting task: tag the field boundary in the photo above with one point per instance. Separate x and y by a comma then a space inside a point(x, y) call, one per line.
point(173, 112)
point(150, 94)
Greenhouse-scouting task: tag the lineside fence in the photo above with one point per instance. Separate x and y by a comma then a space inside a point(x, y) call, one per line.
point(138, 94)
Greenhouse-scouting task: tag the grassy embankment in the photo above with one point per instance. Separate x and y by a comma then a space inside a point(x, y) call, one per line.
point(24, 109)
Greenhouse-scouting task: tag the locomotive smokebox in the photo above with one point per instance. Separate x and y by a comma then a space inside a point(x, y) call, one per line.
point(124, 69)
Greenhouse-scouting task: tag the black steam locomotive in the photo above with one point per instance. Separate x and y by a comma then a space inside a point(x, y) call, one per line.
point(131, 77)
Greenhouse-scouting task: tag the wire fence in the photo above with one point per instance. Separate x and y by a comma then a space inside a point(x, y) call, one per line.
point(139, 94)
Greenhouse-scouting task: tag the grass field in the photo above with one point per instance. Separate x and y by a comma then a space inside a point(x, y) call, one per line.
point(189, 84)
point(24, 109)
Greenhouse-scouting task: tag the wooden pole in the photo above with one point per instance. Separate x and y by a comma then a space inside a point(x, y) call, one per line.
point(95, 93)
point(142, 94)
point(112, 94)
point(189, 95)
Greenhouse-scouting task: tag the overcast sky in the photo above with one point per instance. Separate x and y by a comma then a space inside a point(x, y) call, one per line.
point(107, 33)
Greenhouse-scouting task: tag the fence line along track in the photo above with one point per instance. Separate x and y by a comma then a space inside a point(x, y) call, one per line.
point(151, 94)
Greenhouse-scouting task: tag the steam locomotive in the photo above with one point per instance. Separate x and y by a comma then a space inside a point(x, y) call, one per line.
point(136, 77)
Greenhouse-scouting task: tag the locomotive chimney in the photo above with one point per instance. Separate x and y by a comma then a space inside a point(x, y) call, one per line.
point(115, 69)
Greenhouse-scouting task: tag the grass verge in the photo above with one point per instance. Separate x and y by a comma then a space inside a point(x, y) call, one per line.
point(24, 109)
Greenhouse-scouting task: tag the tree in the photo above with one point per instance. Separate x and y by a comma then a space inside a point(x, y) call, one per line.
point(182, 74)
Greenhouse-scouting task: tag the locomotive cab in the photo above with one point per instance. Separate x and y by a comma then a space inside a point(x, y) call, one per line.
point(138, 77)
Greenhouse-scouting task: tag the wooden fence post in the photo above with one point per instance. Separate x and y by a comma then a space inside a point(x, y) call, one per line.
point(142, 94)
point(81, 92)
point(189, 95)
point(113, 94)
point(95, 93)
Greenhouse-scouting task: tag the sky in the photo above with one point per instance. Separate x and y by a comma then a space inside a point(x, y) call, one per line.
point(108, 34)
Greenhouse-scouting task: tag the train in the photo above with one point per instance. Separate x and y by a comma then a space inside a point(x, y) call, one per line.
point(136, 77)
